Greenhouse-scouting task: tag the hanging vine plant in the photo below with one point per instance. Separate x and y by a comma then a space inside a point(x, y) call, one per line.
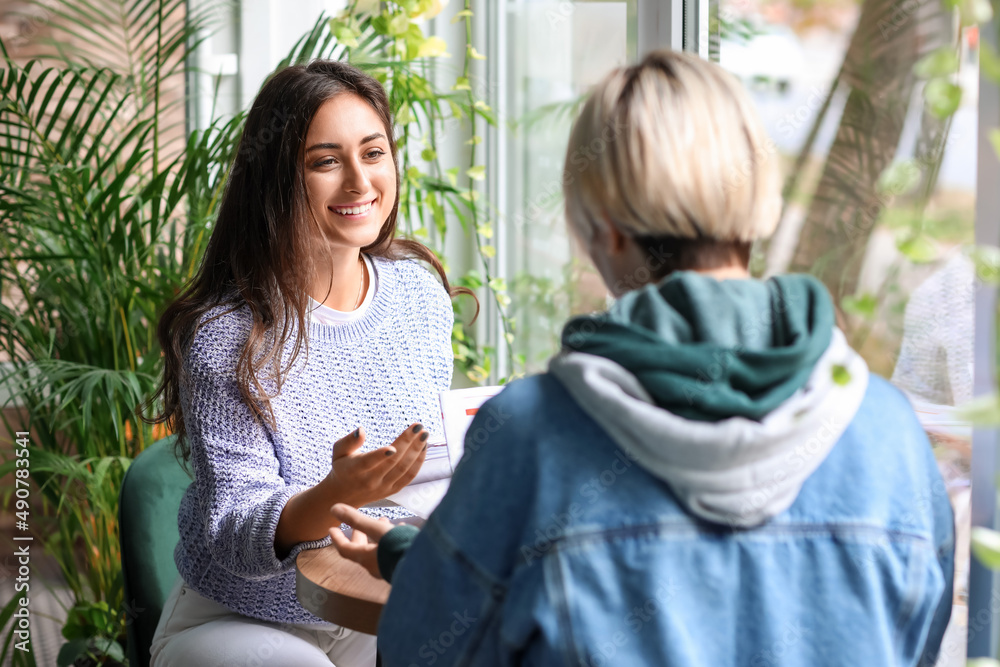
point(387, 40)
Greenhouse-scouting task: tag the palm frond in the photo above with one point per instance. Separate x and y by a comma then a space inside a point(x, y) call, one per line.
point(878, 74)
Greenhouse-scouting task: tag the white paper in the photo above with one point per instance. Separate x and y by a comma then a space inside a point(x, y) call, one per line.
point(458, 408)
point(437, 464)
point(421, 499)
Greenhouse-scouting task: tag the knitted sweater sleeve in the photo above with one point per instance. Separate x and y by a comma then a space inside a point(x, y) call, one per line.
point(239, 486)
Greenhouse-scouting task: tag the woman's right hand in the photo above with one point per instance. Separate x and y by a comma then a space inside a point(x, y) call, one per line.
point(358, 479)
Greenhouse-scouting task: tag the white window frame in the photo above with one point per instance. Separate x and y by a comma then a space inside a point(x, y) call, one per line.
point(260, 33)
point(984, 586)
point(210, 64)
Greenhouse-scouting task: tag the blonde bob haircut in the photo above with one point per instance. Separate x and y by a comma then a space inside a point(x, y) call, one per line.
point(672, 148)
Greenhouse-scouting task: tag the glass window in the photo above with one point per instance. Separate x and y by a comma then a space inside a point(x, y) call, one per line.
point(554, 51)
point(879, 196)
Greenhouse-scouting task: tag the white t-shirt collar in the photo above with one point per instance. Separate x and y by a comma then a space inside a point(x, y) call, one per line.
point(326, 315)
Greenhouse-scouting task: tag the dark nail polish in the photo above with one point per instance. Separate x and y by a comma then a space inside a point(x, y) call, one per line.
point(357, 433)
point(416, 429)
point(389, 452)
point(423, 438)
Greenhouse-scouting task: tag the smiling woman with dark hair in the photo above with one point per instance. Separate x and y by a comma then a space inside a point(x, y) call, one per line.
point(302, 367)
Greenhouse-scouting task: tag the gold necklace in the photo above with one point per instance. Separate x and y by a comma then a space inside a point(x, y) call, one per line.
point(361, 287)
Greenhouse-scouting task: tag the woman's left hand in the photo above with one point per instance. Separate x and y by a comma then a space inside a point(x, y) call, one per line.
point(362, 548)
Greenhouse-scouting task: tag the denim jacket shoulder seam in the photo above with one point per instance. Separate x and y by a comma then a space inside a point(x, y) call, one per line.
point(585, 534)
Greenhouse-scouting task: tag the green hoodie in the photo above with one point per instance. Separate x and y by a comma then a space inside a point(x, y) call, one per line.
point(742, 355)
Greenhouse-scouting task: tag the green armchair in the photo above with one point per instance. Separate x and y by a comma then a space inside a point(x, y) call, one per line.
point(147, 520)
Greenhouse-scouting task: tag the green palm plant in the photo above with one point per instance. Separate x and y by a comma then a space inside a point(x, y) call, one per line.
point(104, 209)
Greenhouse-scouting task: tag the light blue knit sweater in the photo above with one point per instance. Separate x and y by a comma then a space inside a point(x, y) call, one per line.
point(382, 372)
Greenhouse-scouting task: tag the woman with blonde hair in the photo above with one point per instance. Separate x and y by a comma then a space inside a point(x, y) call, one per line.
point(708, 474)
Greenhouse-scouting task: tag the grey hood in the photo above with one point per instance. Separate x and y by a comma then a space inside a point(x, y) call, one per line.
point(737, 472)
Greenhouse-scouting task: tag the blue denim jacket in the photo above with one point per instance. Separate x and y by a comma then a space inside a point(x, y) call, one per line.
point(553, 547)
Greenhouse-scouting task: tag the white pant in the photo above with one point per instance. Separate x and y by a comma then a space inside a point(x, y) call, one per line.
point(194, 630)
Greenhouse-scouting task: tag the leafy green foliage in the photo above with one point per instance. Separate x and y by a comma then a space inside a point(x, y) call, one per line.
point(105, 210)
point(862, 306)
point(87, 630)
point(974, 12)
point(942, 97)
point(899, 178)
point(918, 248)
point(941, 62)
point(986, 547)
point(386, 39)
point(989, 62)
point(983, 411)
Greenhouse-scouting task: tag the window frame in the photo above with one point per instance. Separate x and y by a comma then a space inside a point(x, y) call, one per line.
point(983, 584)
point(651, 25)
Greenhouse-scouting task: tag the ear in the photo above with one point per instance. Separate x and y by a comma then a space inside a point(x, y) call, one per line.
point(612, 236)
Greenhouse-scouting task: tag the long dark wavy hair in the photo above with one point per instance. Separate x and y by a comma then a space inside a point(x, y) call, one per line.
point(260, 243)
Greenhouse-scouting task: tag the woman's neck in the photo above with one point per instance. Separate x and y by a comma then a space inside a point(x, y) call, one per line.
point(340, 280)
